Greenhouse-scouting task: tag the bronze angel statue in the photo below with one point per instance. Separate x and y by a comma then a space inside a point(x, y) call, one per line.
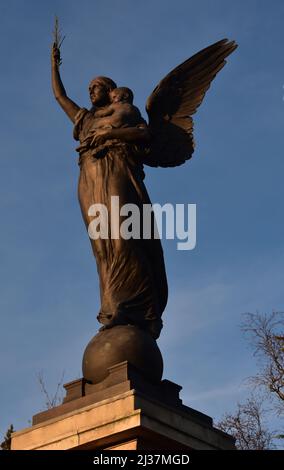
point(115, 143)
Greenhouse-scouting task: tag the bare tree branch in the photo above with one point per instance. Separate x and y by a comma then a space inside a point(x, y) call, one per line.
point(248, 427)
point(56, 399)
point(265, 333)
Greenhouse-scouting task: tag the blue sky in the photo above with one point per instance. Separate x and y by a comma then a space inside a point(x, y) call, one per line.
point(48, 281)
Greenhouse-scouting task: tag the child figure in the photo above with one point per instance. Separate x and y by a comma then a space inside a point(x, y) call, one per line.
point(121, 112)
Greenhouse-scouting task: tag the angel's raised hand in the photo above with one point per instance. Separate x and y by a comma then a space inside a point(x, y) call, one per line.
point(55, 55)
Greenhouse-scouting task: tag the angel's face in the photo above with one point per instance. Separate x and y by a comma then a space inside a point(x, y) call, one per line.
point(98, 93)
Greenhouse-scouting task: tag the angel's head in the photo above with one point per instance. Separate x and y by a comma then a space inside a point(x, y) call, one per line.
point(99, 90)
point(121, 95)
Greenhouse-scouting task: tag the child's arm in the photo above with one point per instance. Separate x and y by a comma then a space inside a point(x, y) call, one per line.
point(104, 112)
point(118, 117)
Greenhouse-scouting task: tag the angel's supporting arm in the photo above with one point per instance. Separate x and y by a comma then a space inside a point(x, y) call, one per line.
point(134, 135)
point(70, 108)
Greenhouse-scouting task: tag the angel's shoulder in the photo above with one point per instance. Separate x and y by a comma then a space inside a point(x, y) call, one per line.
point(83, 121)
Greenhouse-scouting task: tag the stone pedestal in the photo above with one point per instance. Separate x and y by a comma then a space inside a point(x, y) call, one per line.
point(123, 412)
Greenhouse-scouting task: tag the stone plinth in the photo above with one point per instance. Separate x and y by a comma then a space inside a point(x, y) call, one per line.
point(121, 413)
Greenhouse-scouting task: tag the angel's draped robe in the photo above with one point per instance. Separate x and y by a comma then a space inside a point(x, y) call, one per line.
point(133, 283)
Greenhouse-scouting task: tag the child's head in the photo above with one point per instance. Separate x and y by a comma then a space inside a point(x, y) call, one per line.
point(121, 94)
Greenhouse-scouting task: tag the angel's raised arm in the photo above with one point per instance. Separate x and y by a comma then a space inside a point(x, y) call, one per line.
point(70, 108)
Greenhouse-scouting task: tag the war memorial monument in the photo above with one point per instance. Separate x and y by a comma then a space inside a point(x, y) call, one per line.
point(122, 402)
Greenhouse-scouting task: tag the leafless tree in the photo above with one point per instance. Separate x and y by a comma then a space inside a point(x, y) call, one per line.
point(247, 425)
point(50, 402)
point(56, 398)
point(266, 335)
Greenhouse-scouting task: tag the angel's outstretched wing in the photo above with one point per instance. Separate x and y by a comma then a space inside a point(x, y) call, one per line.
point(176, 99)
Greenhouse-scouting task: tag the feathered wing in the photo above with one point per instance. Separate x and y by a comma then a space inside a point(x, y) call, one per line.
point(176, 99)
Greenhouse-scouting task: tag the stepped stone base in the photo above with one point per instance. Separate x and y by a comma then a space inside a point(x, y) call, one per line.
point(123, 412)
